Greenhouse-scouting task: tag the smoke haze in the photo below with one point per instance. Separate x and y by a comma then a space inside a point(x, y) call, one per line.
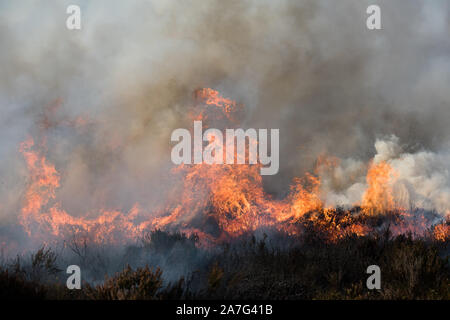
point(104, 100)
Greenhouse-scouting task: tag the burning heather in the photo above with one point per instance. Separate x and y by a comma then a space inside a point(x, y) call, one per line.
point(221, 202)
point(345, 162)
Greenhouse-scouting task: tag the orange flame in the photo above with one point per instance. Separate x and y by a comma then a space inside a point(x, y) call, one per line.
point(42, 217)
point(378, 197)
point(230, 198)
point(442, 232)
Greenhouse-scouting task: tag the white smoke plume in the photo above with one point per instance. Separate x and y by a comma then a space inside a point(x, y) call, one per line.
point(420, 179)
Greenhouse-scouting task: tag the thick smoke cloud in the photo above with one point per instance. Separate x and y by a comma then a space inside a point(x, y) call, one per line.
point(419, 180)
point(310, 68)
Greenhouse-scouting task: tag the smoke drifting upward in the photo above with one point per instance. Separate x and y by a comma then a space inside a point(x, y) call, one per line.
point(103, 101)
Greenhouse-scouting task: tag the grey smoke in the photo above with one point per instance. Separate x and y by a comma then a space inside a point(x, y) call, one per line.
point(310, 68)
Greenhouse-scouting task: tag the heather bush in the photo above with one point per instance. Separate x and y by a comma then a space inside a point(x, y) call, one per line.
point(129, 284)
point(252, 267)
